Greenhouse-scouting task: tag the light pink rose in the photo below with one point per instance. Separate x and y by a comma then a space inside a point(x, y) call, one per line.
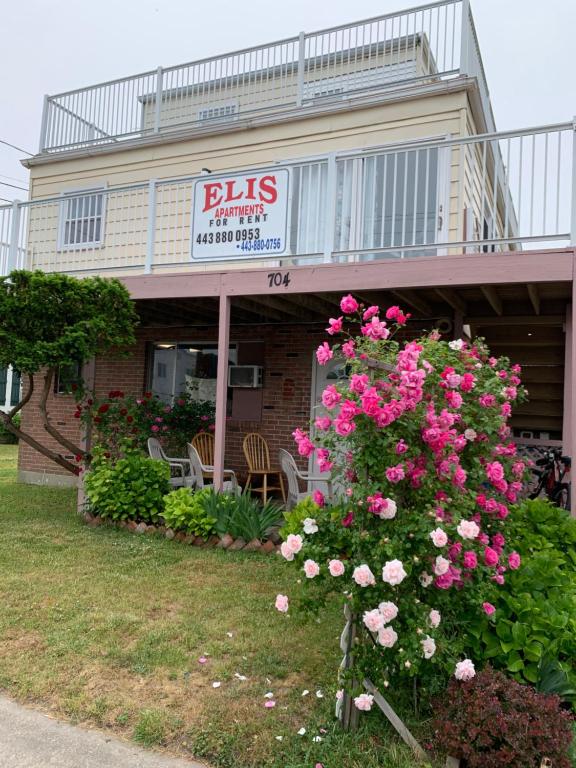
point(441, 566)
point(387, 637)
point(282, 603)
point(389, 611)
point(428, 647)
point(286, 552)
point(470, 434)
point(425, 579)
point(464, 670)
point(373, 620)
point(294, 543)
point(364, 702)
point(363, 576)
point(311, 569)
point(439, 537)
point(434, 618)
point(468, 529)
point(336, 567)
point(393, 572)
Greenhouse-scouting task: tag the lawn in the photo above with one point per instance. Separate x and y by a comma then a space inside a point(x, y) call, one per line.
point(106, 629)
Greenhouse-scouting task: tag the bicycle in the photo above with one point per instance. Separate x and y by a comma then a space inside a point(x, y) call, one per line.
point(554, 478)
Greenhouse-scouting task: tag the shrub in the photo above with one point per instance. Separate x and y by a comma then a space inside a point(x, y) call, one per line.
point(307, 508)
point(130, 488)
point(532, 633)
point(249, 519)
point(494, 722)
point(7, 437)
point(186, 511)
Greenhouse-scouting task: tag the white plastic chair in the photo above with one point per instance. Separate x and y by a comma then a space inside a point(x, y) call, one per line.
point(183, 475)
point(293, 475)
point(200, 472)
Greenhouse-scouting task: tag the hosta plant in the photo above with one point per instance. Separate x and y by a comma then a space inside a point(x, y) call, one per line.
point(417, 443)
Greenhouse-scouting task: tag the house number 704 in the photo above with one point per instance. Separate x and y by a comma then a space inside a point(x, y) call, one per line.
point(276, 279)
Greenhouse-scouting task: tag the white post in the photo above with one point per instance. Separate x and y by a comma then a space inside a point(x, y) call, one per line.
point(331, 208)
point(159, 78)
point(151, 236)
point(8, 398)
point(301, 60)
point(43, 125)
point(14, 236)
point(465, 39)
point(573, 213)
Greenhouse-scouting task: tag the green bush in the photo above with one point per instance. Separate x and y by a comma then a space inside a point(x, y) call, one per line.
point(296, 516)
point(6, 437)
point(249, 519)
point(187, 511)
point(532, 634)
point(131, 488)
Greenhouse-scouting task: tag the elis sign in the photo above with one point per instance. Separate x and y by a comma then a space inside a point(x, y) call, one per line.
point(240, 216)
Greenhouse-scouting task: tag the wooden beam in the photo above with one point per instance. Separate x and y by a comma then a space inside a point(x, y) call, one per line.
point(279, 304)
point(534, 297)
point(491, 295)
point(486, 322)
point(451, 297)
point(416, 301)
point(257, 308)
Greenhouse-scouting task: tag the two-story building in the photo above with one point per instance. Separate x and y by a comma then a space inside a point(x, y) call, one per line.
point(239, 196)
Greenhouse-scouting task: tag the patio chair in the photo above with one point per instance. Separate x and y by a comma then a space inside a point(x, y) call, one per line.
point(258, 459)
point(180, 470)
point(201, 472)
point(204, 444)
point(293, 475)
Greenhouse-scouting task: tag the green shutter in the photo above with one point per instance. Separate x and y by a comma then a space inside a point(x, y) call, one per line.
point(3, 381)
point(15, 393)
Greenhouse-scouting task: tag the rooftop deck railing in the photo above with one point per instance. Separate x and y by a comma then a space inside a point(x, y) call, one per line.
point(429, 43)
point(491, 192)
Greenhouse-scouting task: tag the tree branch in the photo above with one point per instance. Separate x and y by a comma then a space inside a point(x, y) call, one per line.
point(52, 431)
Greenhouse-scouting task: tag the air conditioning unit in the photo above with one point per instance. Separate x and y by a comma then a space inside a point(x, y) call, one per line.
point(247, 376)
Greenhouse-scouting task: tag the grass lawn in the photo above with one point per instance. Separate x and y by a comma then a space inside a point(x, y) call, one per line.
point(106, 628)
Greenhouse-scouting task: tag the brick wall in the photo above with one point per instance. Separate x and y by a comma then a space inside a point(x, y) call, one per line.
point(285, 397)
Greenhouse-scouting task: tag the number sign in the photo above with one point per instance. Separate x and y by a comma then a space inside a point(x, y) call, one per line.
point(240, 216)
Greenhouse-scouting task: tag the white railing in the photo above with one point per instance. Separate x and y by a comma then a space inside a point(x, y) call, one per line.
point(428, 43)
point(492, 192)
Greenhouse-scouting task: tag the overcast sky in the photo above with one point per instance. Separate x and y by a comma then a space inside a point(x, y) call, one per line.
point(50, 46)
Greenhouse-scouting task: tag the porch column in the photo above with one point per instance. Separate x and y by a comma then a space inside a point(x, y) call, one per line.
point(221, 389)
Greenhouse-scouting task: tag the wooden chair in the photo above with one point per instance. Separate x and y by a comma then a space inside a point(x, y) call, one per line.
point(258, 459)
point(293, 475)
point(204, 444)
point(201, 472)
point(180, 469)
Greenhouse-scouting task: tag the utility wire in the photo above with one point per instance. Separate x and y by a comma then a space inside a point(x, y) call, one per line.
point(19, 149)
point(12, 178)
point(15, 186)
point(6, 200)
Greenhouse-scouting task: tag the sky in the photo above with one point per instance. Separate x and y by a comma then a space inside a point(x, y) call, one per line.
point(50, 46)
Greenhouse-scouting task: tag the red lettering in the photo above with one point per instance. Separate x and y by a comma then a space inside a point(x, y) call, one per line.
point(250, 192)
point(268, 191)
point(211, 196)
point(230, 191)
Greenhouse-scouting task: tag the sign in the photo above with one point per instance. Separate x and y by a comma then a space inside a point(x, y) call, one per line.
point(240, 216)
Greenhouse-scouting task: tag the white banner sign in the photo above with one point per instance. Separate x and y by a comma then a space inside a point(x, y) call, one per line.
point(240, 216)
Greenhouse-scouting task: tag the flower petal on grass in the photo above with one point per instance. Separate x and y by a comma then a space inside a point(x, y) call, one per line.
point(270, 703)
point(216, 684)
point(302, 731)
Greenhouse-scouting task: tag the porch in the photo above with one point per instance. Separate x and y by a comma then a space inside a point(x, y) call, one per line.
point(522, 303)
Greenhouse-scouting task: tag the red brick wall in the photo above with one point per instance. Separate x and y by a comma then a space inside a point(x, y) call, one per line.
point(286, 392)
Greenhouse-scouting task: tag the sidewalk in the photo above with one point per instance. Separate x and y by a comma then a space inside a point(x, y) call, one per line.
point(30, 739)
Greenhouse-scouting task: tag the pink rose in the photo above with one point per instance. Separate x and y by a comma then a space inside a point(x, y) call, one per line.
point(155, 428)
point(335, 325)
point(323, 423)
point(464, 670)
point(373, 620)
point(311, 569)
point(514, 561)
point(324, 353)
point(389, 611)
point(488, 609)
point(470, 560)
point(428, 647)
point(363, 576)
point(401, 447)
point(331, 397)
point(490, 556)
point(336, 568)
point(468, 529)
point(441, 566)
point(370, 312)
point(383, 507)
point(387, 637)
point(294, 543)
point(344, 427)
point(439, 537)
point(375, 329)
point(434, 618)
point(348, 304)
point(393, 312)
point(318, 498)
point(282, 603)
point(348, 349)
point(395, 474)
point(495, 472)
point(393, 572)
point(286, 552)
point(364, 702)
point(358, 383)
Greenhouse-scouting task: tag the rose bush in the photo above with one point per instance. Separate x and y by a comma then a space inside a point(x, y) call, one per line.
point(417, 444)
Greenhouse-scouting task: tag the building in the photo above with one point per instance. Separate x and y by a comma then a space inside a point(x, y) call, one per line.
point(238, 197)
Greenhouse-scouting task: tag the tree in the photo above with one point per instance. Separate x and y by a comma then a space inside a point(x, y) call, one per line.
point(53, 321)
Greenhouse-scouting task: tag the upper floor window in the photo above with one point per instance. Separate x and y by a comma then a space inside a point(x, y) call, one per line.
point(82, 220)
point(218, 112)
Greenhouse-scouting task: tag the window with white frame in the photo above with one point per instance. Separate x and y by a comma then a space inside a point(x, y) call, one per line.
point(82, 219)
point(218, 112)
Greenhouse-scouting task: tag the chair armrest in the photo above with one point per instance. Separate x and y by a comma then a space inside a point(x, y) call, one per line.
point(210, 468)
point(175, 460)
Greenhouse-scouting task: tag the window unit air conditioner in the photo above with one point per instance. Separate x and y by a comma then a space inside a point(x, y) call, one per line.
point(247, 376)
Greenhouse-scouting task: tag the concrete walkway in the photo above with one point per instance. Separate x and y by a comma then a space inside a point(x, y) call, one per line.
point(30, 739)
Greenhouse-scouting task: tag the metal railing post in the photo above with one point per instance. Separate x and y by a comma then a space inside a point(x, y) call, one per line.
point(159, 78)
point(43, 125)
point(331, 210)
point(573, 203)
point(14, 236)
point(301, 60)
point(465, 39)
point(151, 237)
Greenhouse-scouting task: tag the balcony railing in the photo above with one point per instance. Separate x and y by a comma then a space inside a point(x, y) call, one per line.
point(497, 191)
point(430, 43)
